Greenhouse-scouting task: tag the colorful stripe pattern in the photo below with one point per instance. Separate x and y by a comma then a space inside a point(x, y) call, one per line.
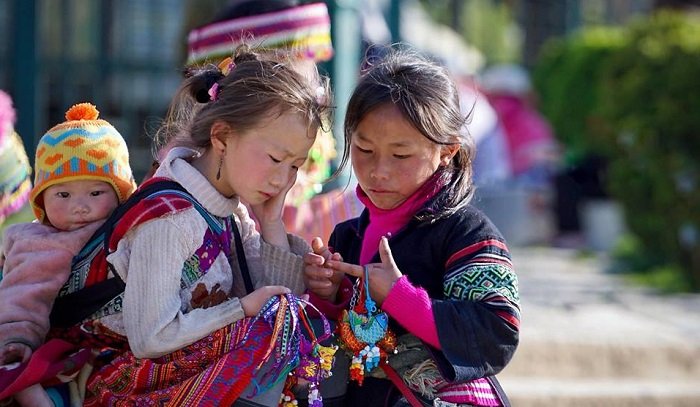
point(304, 30)
point(484, 272)
point(212, 371)
point(477, 392)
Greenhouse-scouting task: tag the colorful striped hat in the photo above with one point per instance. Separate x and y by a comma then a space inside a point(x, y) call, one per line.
point(15, 181)
point(81, 148)
point(304, 31)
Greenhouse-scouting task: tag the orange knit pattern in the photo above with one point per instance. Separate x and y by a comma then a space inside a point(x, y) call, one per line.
point(81, 148)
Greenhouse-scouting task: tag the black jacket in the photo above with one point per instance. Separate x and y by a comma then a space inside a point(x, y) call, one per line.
point(464, 265)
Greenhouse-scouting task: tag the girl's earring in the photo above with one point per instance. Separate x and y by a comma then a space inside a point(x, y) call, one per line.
point(218, 172)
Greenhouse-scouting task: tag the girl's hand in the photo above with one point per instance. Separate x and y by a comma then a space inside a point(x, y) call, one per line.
point(319, 279)
point(270, 211)
point(253, 302)
point(382, 276)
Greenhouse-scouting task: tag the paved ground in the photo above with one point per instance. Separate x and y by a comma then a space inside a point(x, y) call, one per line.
point(590, 339)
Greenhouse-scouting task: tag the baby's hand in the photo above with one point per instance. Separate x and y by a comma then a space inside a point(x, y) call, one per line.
point(321, 280)
point(253, 302)
point(14, 352)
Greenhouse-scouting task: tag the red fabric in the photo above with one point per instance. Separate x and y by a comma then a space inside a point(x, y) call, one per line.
point(147, 209)
point(54, 357)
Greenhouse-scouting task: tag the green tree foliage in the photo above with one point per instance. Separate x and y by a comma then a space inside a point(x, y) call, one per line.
point(650, 99)
point(632, 95)
point(567, 79)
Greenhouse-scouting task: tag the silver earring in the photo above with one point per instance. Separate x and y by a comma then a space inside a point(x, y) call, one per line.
point(218, 172)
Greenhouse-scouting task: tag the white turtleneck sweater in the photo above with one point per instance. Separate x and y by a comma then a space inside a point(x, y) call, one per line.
point(157, 316)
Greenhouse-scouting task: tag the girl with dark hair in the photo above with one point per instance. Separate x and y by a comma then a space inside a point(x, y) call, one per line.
point(434, 292)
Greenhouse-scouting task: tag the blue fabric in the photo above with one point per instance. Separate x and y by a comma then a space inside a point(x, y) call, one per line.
point(59, 395)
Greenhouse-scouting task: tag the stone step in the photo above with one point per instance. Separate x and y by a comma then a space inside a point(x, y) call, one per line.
point(576, 360)
point(613, 392)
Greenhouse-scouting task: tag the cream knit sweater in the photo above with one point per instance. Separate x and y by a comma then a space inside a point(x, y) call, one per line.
point(158, 316)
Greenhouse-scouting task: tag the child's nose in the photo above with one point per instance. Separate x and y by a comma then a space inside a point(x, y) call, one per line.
point(280, 177)
point(81, 207)
point(380, 169)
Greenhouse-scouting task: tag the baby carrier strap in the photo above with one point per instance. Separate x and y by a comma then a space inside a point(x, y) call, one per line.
point(103, 285)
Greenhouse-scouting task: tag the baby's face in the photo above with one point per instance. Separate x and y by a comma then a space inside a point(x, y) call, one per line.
point(73, 204)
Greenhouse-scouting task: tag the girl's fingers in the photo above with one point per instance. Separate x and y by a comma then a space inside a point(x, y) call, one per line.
point(385, 253)
point(318, 273)
point(277, 290)
point(317, 245)
point(312, 259)
point(347, 268)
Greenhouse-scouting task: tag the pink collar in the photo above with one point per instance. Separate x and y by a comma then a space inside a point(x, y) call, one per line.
point(384, 222)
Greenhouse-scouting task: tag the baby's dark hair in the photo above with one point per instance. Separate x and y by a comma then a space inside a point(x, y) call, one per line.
point(428, 98)
point(259, 85)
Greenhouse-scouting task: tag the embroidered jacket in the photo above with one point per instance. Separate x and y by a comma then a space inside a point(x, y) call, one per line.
point(463, 263)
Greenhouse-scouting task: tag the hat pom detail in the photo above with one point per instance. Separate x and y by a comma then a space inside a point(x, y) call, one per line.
point(82, 111)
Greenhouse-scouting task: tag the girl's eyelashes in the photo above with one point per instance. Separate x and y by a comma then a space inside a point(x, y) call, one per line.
point(362, 150)
point(401, 156)
point(62, 194)
point(97, 193)
point(276, 161)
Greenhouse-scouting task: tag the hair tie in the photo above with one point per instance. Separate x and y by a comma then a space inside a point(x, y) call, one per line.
point(225, 66)
point(213, 91)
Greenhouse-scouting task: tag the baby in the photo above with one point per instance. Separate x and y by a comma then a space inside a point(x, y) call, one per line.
point(82, 174)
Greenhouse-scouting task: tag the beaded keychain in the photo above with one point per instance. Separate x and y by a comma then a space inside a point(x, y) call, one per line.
point(294, 354)
point(364, 332)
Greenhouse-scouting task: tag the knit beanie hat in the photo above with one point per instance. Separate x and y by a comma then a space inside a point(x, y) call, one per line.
point(81, 148)
point(302, 31)
point(15, 181)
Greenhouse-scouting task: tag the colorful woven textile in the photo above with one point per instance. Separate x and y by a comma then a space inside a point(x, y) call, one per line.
point(212, 371)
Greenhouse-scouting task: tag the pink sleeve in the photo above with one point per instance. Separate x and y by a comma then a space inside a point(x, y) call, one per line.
point(411, 307)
